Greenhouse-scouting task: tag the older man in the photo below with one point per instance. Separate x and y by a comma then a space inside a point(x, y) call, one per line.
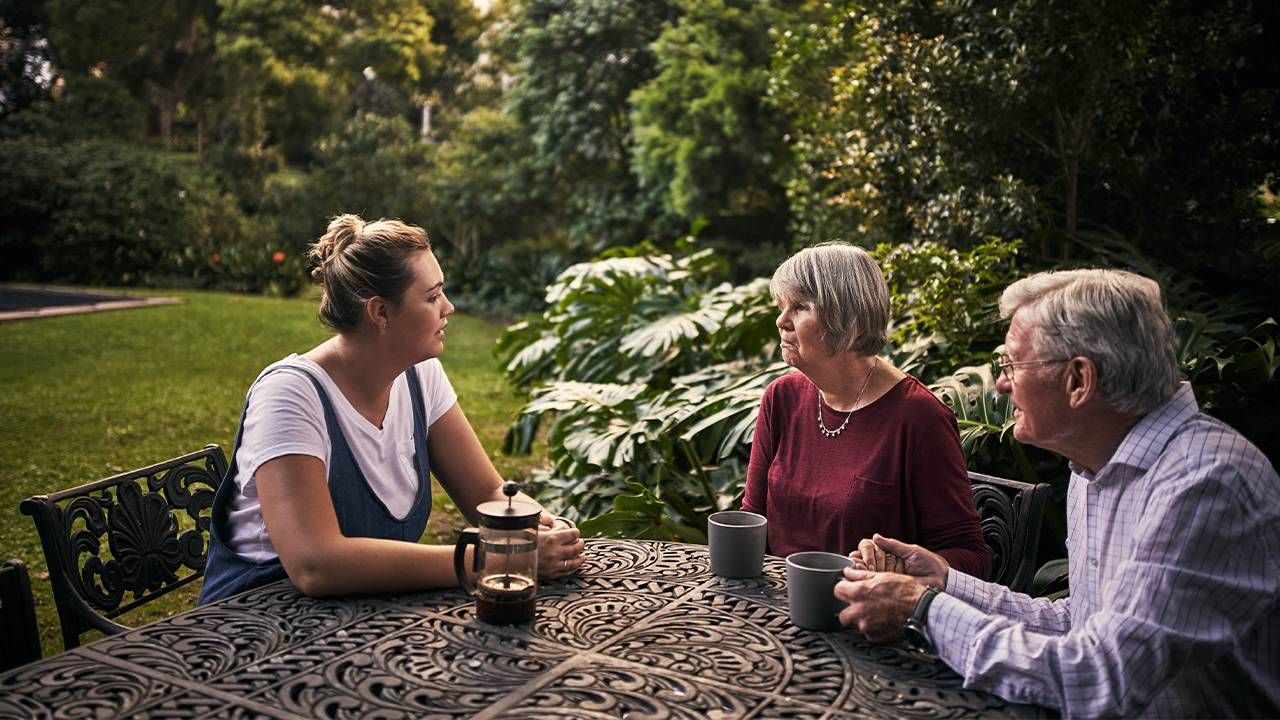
point(1173, 529)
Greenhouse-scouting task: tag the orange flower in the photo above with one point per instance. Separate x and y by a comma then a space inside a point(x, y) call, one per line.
point(278, 256)
point(215, 258)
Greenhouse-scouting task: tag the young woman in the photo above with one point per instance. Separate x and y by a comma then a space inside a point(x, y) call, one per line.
point(329, 483)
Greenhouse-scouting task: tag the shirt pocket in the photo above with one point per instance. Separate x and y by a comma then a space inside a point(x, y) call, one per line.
point(871, 497)
point(811, 498)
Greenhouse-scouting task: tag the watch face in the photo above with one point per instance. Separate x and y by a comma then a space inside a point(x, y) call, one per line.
point(915, 636)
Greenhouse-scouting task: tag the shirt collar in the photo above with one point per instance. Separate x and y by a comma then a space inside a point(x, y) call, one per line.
point(1148, 438)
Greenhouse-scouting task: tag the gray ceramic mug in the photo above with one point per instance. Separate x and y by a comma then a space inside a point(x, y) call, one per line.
point(737, 539)
point(811, 582)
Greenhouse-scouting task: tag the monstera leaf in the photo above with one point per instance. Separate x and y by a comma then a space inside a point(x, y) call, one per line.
point(980, 410)
point(983, 416)
point(642, 515)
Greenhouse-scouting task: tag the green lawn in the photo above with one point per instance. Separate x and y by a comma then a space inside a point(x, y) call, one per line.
point(86, 396)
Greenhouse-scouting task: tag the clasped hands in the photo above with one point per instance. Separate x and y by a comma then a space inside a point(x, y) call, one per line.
point(561, 550)
point(886, 580)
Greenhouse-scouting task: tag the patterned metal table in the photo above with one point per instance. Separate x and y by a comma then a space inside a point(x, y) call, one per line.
point(644, 631)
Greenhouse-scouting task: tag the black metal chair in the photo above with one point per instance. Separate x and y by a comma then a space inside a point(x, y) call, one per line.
point(1011, 513)
point(149, 551)
point(19, 638)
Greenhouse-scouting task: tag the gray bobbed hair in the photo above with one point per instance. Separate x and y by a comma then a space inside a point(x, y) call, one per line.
point(847, 290)
point(1115, 318)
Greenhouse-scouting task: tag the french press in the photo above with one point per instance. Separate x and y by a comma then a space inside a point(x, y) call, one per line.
point(505, 561)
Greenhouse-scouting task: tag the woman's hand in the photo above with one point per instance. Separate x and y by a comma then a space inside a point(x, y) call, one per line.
point(899, 557)
point(870, 556)
point(560, 549)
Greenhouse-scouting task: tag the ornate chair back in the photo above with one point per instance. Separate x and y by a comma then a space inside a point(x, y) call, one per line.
point(19, 640)
point(1010, 511)
point(155, 523)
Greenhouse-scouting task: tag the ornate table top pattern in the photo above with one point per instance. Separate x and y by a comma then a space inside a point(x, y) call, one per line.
point(644, 631)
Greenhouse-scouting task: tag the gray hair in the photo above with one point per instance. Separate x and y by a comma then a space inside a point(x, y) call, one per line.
point(847, 290)
point(1115, 318)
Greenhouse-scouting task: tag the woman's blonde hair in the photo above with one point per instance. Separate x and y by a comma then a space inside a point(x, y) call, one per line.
point(357, 261)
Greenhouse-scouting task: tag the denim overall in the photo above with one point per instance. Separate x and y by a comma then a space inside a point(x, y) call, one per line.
point(361, 513)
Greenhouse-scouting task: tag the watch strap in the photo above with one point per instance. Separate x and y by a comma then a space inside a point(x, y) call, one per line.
point(914, 629)
point(921, 612)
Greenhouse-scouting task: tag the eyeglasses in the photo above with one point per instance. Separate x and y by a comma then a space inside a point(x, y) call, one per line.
point(1003, 365)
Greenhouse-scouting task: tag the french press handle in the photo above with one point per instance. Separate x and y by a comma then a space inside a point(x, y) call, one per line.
point(470, 536)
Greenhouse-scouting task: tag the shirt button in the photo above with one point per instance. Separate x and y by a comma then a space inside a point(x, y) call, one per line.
point(1093, 562)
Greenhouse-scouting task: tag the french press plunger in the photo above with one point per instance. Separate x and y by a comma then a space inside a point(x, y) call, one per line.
point(505, 563)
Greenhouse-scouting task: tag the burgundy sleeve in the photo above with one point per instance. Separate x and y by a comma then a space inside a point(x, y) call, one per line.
point(945, 513)
point(756, 493)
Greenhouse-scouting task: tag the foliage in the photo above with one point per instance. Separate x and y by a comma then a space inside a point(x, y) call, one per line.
point(275, 89)
point(88, 108)
point(483, 187)
point(102, 212)
point(652, 372)
point(578, 63)
point(27, 186)
point(1036, 119)
point(944, 309)
point(160, 52)
point(878, 152)
point(24, 53)
point(375, 166)
point(508, 280)
point(704, 134)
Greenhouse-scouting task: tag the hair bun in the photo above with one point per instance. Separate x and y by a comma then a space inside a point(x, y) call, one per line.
point(342, 231)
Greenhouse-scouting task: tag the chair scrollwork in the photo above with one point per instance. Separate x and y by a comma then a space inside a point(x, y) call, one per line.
point(120, 542)
point(1010, 512)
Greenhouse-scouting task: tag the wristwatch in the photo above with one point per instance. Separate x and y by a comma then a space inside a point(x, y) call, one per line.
point(914, 629)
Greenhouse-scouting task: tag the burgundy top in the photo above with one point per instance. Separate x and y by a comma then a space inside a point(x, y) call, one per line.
point(897, 469)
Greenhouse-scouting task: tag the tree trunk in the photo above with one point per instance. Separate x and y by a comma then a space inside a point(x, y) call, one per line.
point(177, 66)
point(1072, 136)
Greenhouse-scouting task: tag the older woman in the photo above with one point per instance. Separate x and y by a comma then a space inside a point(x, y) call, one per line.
point(851, 446)
point(329, 482)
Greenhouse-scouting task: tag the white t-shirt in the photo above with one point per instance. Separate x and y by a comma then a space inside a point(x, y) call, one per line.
point(286, 418)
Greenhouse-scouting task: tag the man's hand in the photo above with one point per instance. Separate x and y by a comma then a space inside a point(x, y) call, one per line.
point(879, 602)
point(882, 554)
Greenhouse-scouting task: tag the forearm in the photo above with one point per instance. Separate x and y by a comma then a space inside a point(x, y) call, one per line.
point(1038, 614)
point(345, 566)
point(1111, 667)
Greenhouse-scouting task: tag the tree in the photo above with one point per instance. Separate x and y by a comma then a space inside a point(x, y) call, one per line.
point(375, 167)
point(879, 156)
point(160, 51)
point(25, 63)
point(578, 62)
point(704, 134)
point(483, 189)
point(1037, 118)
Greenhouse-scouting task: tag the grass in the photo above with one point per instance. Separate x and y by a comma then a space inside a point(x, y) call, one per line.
point(86, 396)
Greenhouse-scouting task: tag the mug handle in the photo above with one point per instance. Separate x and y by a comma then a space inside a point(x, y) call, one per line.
point(470, 536)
